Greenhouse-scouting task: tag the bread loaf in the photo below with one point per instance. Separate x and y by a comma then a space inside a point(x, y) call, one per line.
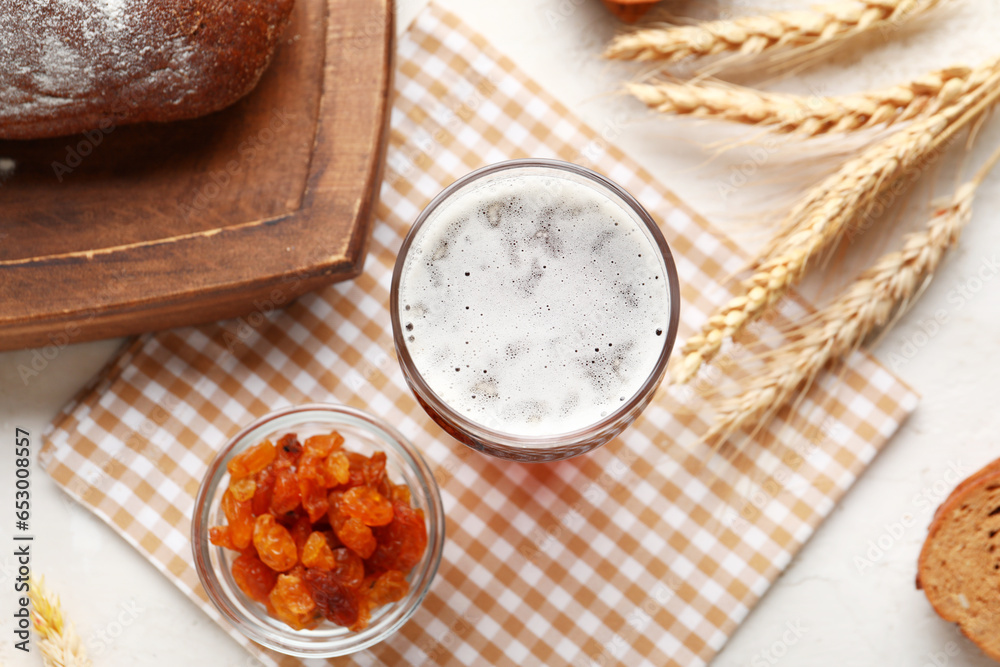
point(67, 66)
point(959, 565)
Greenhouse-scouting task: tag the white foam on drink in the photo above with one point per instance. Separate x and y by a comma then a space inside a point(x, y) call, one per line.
point(533, 305)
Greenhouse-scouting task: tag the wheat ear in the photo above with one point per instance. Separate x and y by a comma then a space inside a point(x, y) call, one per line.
point(850, 196)
point(811, 116)
point(753, 35)
point(866, 306)
point(58, 642)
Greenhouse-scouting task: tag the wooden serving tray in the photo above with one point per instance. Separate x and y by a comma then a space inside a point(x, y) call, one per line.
point(151, 226)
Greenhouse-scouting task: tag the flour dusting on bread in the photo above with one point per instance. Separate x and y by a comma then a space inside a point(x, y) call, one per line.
point(69, 65)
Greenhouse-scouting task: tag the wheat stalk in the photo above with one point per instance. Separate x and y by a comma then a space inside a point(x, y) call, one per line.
point(811, 116)
point(754, 35)
point(849, 196)
point(866, 306)
point(59, 644)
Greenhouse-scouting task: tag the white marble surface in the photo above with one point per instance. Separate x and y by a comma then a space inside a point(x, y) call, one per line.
point(829, 608)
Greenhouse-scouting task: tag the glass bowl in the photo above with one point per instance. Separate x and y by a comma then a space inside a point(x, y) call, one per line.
point(363, 433)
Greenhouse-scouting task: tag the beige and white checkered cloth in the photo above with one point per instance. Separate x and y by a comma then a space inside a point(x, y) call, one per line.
point(637, 553)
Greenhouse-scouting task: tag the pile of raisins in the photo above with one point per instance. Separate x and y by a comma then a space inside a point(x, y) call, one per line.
point(321, 531)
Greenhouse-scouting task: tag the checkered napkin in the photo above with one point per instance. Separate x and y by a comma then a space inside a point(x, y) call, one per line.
point(638, 553)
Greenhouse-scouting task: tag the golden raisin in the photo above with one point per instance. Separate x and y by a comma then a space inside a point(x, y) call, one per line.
point(357, 537)
point(289, 451)
point(356, 471)
point(221, 537)
point(374, 469)
point(336, 469)
point(364, 611)
point(313, 497)
point(292, 602)
point(400, 492)
point(367, 506)
point(239, 514)
point(253, 577)
point(264, 489)
point(274, 544)
point(401, 543)
point(314, 453)
point(337, 602)
point(243, 488)
point(348, 567)
point(317, 554)
point(334, 514)
point(252, 460)
point(300, 528)
point(320, 446)
point(390, 586)
point(286, 495)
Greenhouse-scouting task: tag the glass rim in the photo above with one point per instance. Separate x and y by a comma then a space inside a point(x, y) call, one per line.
point(547, 445)
point(288, 641)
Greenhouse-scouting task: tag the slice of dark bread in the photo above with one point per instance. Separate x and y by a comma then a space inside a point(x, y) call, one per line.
point(959, 565)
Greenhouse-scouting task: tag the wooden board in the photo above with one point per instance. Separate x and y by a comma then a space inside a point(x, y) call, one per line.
point(155, 226)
